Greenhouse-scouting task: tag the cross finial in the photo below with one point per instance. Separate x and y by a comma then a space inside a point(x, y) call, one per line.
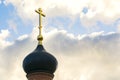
point(40, 37)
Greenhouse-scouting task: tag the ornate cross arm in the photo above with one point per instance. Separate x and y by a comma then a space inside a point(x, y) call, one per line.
point(40, 37)
point(39, 11)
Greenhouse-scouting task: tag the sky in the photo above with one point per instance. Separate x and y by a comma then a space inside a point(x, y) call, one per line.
point(84, 36)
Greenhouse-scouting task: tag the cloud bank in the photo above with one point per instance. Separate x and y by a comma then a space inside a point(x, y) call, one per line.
point(92, 56)
point(105, 11)
point(4, 34)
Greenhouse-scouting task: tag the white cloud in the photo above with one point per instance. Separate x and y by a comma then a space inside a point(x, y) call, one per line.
point(22, 37)
point(0, 1)
point(12, 25)
point(95, 34)
point(118, 28)
point(106, 11)
point(90, 58)
point(3, 35)
point(95, 56)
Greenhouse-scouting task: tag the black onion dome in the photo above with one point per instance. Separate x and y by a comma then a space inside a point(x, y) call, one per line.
point(40, 61)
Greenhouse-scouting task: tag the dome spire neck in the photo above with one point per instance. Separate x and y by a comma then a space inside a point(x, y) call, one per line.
point(40, 37)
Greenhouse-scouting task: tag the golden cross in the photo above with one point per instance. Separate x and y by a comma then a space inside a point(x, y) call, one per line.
point(39, 11)
point(40, 37)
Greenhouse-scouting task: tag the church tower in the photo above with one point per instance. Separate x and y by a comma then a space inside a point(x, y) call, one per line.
point(39, 64)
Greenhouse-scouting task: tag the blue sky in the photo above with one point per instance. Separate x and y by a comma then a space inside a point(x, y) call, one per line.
point(11, 20)
point(84, 35)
